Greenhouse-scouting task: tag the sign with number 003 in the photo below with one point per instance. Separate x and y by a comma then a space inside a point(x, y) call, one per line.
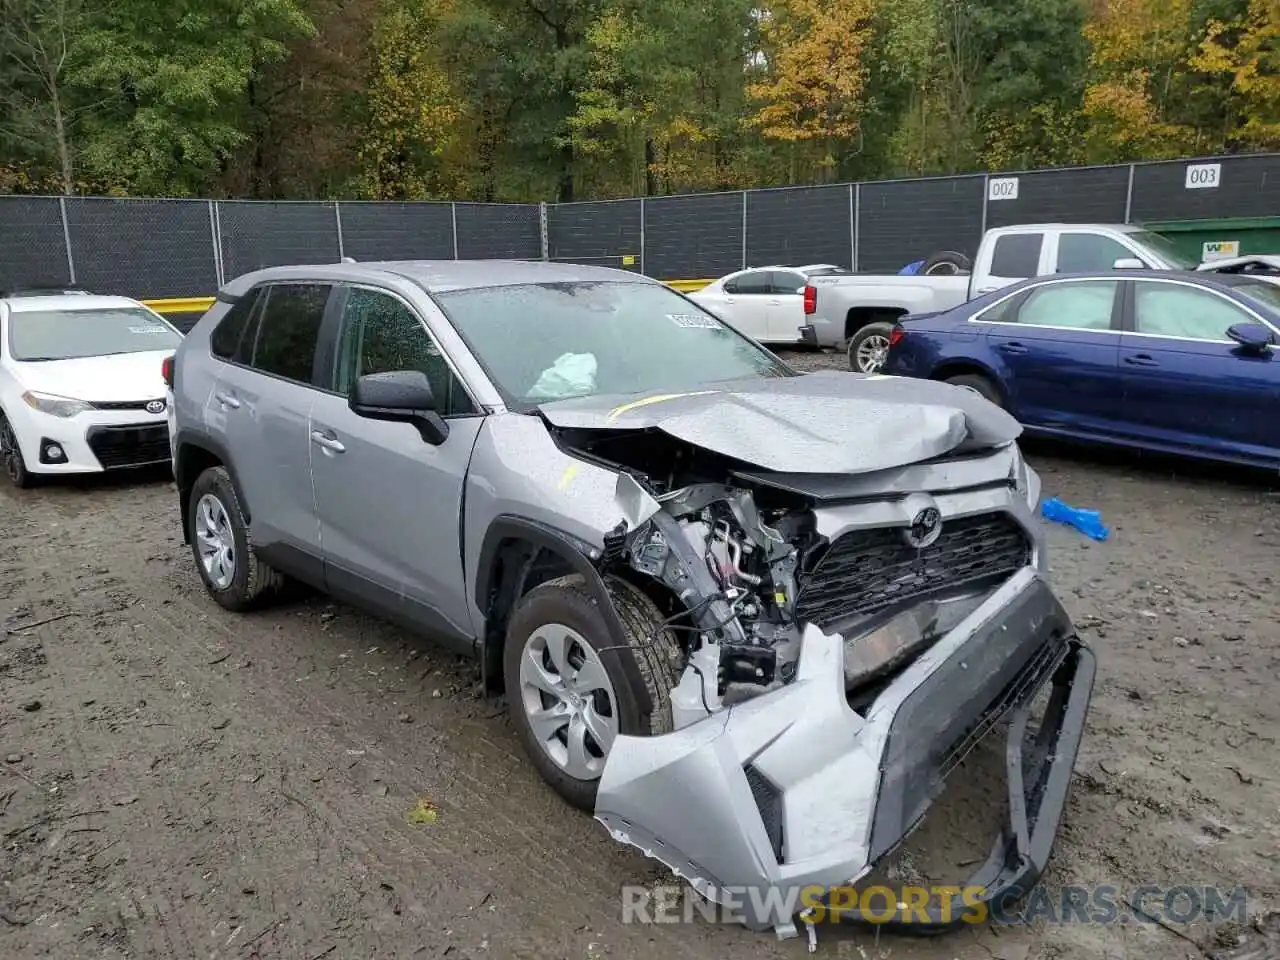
point(1201, 175)
point(1002, 188)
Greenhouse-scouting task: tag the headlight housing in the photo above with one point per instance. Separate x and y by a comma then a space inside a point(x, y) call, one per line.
point(54, 405)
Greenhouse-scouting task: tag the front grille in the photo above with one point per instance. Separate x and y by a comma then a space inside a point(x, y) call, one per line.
point(123, 404)
point(130, 446)
point(870, 570)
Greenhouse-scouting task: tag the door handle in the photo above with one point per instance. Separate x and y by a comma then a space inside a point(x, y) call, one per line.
point(774, 302)
point(728, 299)
point(330, 443)
point(227, 400)
point(1012, 347)
point(1142, 360)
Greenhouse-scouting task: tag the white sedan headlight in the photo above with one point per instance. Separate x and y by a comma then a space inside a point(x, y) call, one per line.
point(54, 405)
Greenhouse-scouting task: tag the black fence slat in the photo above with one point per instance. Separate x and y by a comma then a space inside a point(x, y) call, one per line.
point(33, 249)
point(693, 237)
point(268, 233)
point(504, 231)
point(1247, 187)
point(1087, 195)
point(902, 221)
point(143, 248)
point(397, 231)
point(604, 233)
point(800, 225)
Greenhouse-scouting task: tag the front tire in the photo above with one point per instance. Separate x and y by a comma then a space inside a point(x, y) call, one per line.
point(869, 347)
point(568, 702)
point(15, 467)
point(224, 552)
point(979, 384)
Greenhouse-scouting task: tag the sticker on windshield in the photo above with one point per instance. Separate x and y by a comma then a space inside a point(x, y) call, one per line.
point(694, 320)
point(153, 328)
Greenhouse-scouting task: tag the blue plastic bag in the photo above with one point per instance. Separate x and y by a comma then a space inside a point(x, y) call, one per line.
point(1088, 522)
point(911, 268)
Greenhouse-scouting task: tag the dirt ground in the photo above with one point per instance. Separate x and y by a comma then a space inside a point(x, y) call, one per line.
point(181, 782)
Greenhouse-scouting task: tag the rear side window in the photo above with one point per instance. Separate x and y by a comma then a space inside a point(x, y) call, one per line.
point(289, 330)
point(1017, 255)
point(758, 281)
point(230, 331)
point(788, 282)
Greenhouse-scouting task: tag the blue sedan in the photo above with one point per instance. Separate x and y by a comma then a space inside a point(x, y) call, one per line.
point(1182, 363)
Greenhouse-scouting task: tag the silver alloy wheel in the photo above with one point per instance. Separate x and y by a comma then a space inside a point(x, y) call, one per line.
point(871, 353)
point(568, 699)
point(215, 541)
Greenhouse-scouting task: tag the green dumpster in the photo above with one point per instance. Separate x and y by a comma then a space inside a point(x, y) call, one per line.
point(1207, 240)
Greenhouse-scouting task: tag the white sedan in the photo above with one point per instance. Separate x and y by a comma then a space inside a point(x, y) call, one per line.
point(81, 384)
point(765, 303)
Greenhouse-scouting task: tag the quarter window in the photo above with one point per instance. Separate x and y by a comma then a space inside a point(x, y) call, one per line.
point(1084, 305)
point(382, 335)
point(227, 337)
point(1175, 310)
point(290, 330)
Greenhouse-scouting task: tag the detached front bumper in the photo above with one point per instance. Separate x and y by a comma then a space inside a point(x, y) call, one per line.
point(771, 804)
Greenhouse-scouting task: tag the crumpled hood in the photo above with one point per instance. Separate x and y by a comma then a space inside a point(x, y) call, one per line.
point(825, 422)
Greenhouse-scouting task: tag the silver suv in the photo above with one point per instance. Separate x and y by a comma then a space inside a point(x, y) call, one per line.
point(750, 619)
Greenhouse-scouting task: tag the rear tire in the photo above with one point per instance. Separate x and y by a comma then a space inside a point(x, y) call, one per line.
point(980, 384)
point(223, 549)
point(947, 263)
point(593, 693)
point(869, 347)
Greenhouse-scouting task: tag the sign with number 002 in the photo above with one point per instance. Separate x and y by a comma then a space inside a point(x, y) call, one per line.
point(1002, 188)
point(1201, 175)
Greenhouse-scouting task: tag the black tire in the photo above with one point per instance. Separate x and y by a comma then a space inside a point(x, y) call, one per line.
point(947, 263)
point(654, 650)
point(15, 466)
point(976, 381)
point(870, 331)
point(253, 582)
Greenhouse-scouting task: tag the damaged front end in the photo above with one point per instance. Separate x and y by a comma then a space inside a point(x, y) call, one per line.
point(852, 637)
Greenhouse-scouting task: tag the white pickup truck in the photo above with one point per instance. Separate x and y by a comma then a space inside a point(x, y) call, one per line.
point(859, 310)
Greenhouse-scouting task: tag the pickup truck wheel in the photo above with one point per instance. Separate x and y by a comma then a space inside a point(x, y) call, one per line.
point(869, 347)
point(980, 384)
point(567, 702)
point(225, 558)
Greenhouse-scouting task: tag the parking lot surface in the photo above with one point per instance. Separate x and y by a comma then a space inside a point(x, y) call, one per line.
point(308, 782)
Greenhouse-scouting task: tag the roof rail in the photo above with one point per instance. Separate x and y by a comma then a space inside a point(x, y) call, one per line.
point(51, 290)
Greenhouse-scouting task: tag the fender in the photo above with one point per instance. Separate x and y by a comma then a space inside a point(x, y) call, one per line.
point(582, 557)
point(202, 441)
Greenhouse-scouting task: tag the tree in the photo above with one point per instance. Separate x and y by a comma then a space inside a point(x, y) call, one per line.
point(1246, 53)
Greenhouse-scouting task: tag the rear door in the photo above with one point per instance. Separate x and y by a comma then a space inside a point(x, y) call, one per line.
point(260, 404)
point(746, 303)
point(1014, 257)
point(1057, 352)
point(785, 315)
point(1186, 384)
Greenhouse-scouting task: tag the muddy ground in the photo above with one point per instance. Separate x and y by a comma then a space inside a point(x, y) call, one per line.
point(181, 782)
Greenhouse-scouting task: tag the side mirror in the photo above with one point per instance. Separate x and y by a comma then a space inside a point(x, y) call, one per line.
point(401, 396)
point(1128, 263)
point(1253, 337)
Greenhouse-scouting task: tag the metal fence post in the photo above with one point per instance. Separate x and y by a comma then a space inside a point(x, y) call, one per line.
point(213, 245)
point(1128, 196)
point(642, 236)
point(337, 218)
point(986, 192)
point(453, 214)
point(217, 224)
point(66, 239)
point(854, 202)
point(544, 237)
point(744, 229)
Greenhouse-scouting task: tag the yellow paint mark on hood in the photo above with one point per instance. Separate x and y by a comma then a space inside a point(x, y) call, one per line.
point(616, 412)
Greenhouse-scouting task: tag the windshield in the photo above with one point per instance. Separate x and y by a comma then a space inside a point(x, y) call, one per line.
point(1164, 248)
point(1267, 294)
point(70, 334)
point(541, 342)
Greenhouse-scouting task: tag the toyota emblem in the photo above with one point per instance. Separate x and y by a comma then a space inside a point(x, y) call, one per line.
point(925, 528)
point(155, 406)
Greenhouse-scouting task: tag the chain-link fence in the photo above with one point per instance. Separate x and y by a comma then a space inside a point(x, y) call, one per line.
point(186, 248)
point(153, 249)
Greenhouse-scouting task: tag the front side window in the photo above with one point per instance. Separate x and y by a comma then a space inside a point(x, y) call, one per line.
point(1176, 310)
point(1089, 253)
point(290, 330)
point(547, 341)
point(1260, 291)
point(382, 335)
point(38, 335)
point(1086, 305)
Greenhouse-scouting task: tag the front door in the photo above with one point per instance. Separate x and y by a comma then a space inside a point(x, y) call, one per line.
point(1056, 354)
point(389, 502)
point(1187, 384)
